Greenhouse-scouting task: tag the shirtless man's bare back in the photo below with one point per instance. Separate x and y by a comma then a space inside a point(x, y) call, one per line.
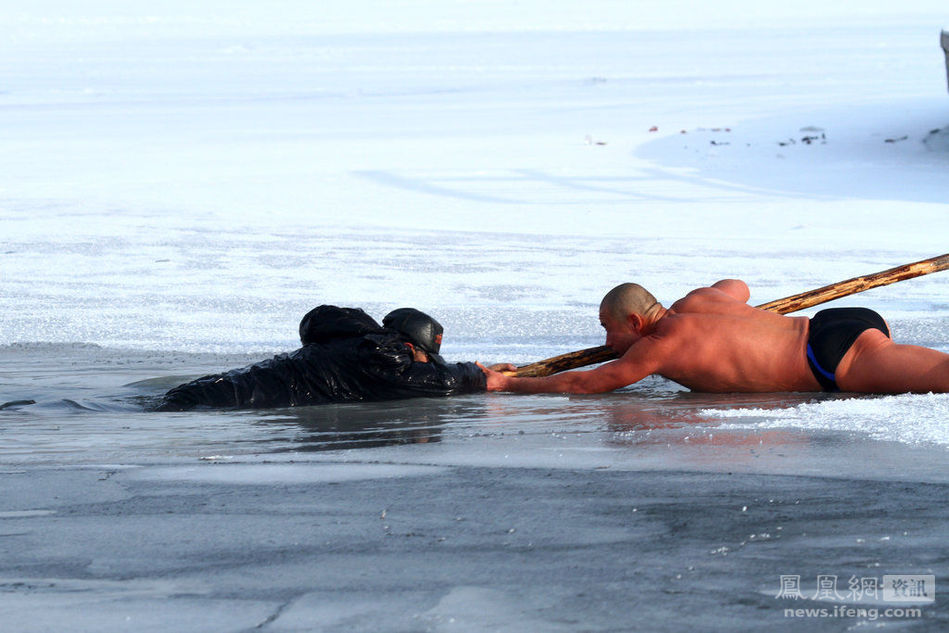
point(711, 340)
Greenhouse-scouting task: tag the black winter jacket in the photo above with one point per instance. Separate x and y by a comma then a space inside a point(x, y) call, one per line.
point(346, 357)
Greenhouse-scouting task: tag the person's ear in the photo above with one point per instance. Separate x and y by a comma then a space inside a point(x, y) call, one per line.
point(635, 321)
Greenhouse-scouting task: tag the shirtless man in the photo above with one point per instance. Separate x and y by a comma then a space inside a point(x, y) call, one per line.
point(711, 340)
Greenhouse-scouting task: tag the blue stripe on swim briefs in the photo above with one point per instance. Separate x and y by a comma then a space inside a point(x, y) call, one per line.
point(813, 359)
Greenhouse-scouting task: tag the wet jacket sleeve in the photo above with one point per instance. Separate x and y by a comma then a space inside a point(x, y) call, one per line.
point(399, 377)
point(265, 384)
point(208, 391)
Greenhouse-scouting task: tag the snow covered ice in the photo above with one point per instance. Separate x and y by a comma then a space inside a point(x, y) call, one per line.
point(180, 183)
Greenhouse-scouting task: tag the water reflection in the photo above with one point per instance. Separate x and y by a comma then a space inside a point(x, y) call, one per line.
point(684, 409)
point(371, 425)
point(651, 419)
point(636, 410)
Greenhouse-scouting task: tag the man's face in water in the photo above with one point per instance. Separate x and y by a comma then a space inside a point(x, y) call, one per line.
point(417, 355)
point(620, 335)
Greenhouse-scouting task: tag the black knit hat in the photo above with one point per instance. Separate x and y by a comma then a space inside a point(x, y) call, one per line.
point(420, 329)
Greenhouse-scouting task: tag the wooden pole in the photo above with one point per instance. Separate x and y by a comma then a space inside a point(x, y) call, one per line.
point(601, 354)
point(570, 360)
point(857, 284)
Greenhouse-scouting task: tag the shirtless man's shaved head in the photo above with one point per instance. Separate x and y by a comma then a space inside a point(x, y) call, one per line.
point(624, 313)
point(711, 340)
point(625, 299)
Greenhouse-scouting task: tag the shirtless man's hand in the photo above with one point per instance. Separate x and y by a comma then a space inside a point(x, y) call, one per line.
point(500, 369)
point(496, 380)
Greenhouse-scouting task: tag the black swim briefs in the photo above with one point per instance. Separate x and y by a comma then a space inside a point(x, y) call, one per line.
point(832, 332)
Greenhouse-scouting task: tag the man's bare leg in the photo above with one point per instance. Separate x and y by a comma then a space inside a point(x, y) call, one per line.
point(875, 364)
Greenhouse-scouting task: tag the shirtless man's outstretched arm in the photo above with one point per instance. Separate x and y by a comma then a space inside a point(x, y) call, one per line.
point(632, 367)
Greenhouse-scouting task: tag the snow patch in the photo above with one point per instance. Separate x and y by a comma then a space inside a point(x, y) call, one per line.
point(909, 418)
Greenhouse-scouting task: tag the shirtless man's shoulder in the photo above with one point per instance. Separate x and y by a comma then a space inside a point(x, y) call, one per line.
point(730, 295)
point(728, 298)
point(692, 315)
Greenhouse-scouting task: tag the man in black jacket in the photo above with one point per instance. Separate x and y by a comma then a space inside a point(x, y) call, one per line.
point(346, 357)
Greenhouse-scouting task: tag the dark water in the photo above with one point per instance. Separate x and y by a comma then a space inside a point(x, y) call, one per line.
point(87, 403)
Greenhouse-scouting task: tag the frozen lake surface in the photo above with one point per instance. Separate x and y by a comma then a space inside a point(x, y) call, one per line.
point(179, 185)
